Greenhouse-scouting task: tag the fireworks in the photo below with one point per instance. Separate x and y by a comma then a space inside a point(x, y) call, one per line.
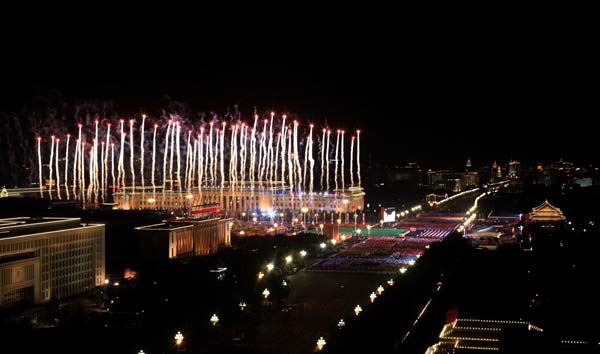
point(279, 155)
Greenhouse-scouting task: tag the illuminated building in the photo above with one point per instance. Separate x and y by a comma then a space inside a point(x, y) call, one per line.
point(514, 168)
point(43, 259)
point(546, 213)
point(240, 199)
point(470, 179)
point(185, 237)
point(474, 336)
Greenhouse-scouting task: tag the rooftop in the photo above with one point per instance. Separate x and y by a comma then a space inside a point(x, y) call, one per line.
point(19, 226)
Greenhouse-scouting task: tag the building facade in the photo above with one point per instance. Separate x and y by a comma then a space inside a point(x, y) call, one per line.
point(43, 259)
point(185, 237)
point(546, 213)
point(244, 199)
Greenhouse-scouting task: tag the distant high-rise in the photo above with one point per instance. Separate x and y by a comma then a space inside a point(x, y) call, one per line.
point(468, 163)
point(514, 168)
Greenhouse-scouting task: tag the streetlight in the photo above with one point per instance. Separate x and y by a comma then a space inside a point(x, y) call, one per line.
point(141, 352)
point(333, 241)
point(303, 253)
point(266, 293)
point(357, 310)
point(379, 289)
point(341, 324)
point(321, 227)
point(372, 297)
point(323, 245)
point(321, 343)
point(106, 281)
point(178, 338)
point(270, 266)
point(390, 282)
point(411, 262)
point(260, 275)
point(381, 222)
point(403, 270)
point(242, 305)
point(284, 283)
point(214, 319)
point(369, 229)
point(288, 259)
point(358, 231)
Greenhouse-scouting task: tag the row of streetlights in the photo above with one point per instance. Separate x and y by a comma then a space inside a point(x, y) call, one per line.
point(358, 309)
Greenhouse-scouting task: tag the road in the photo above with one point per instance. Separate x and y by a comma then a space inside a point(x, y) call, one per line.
point(319, 300)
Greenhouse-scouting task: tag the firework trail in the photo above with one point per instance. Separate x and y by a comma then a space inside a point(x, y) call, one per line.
point(142, 152)
point(322, 156)
point(50, 166)
point(358, 156)
point(342, 154)
point(327, 156)
point(67, 166)
point(337, 142)
point(153, 158)
point(39, 151)
point(351, 161)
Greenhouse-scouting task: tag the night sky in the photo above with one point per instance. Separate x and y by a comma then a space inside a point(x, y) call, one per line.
point(433, 102)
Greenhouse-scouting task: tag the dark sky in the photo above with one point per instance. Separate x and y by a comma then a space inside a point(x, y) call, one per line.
point(435, 100)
